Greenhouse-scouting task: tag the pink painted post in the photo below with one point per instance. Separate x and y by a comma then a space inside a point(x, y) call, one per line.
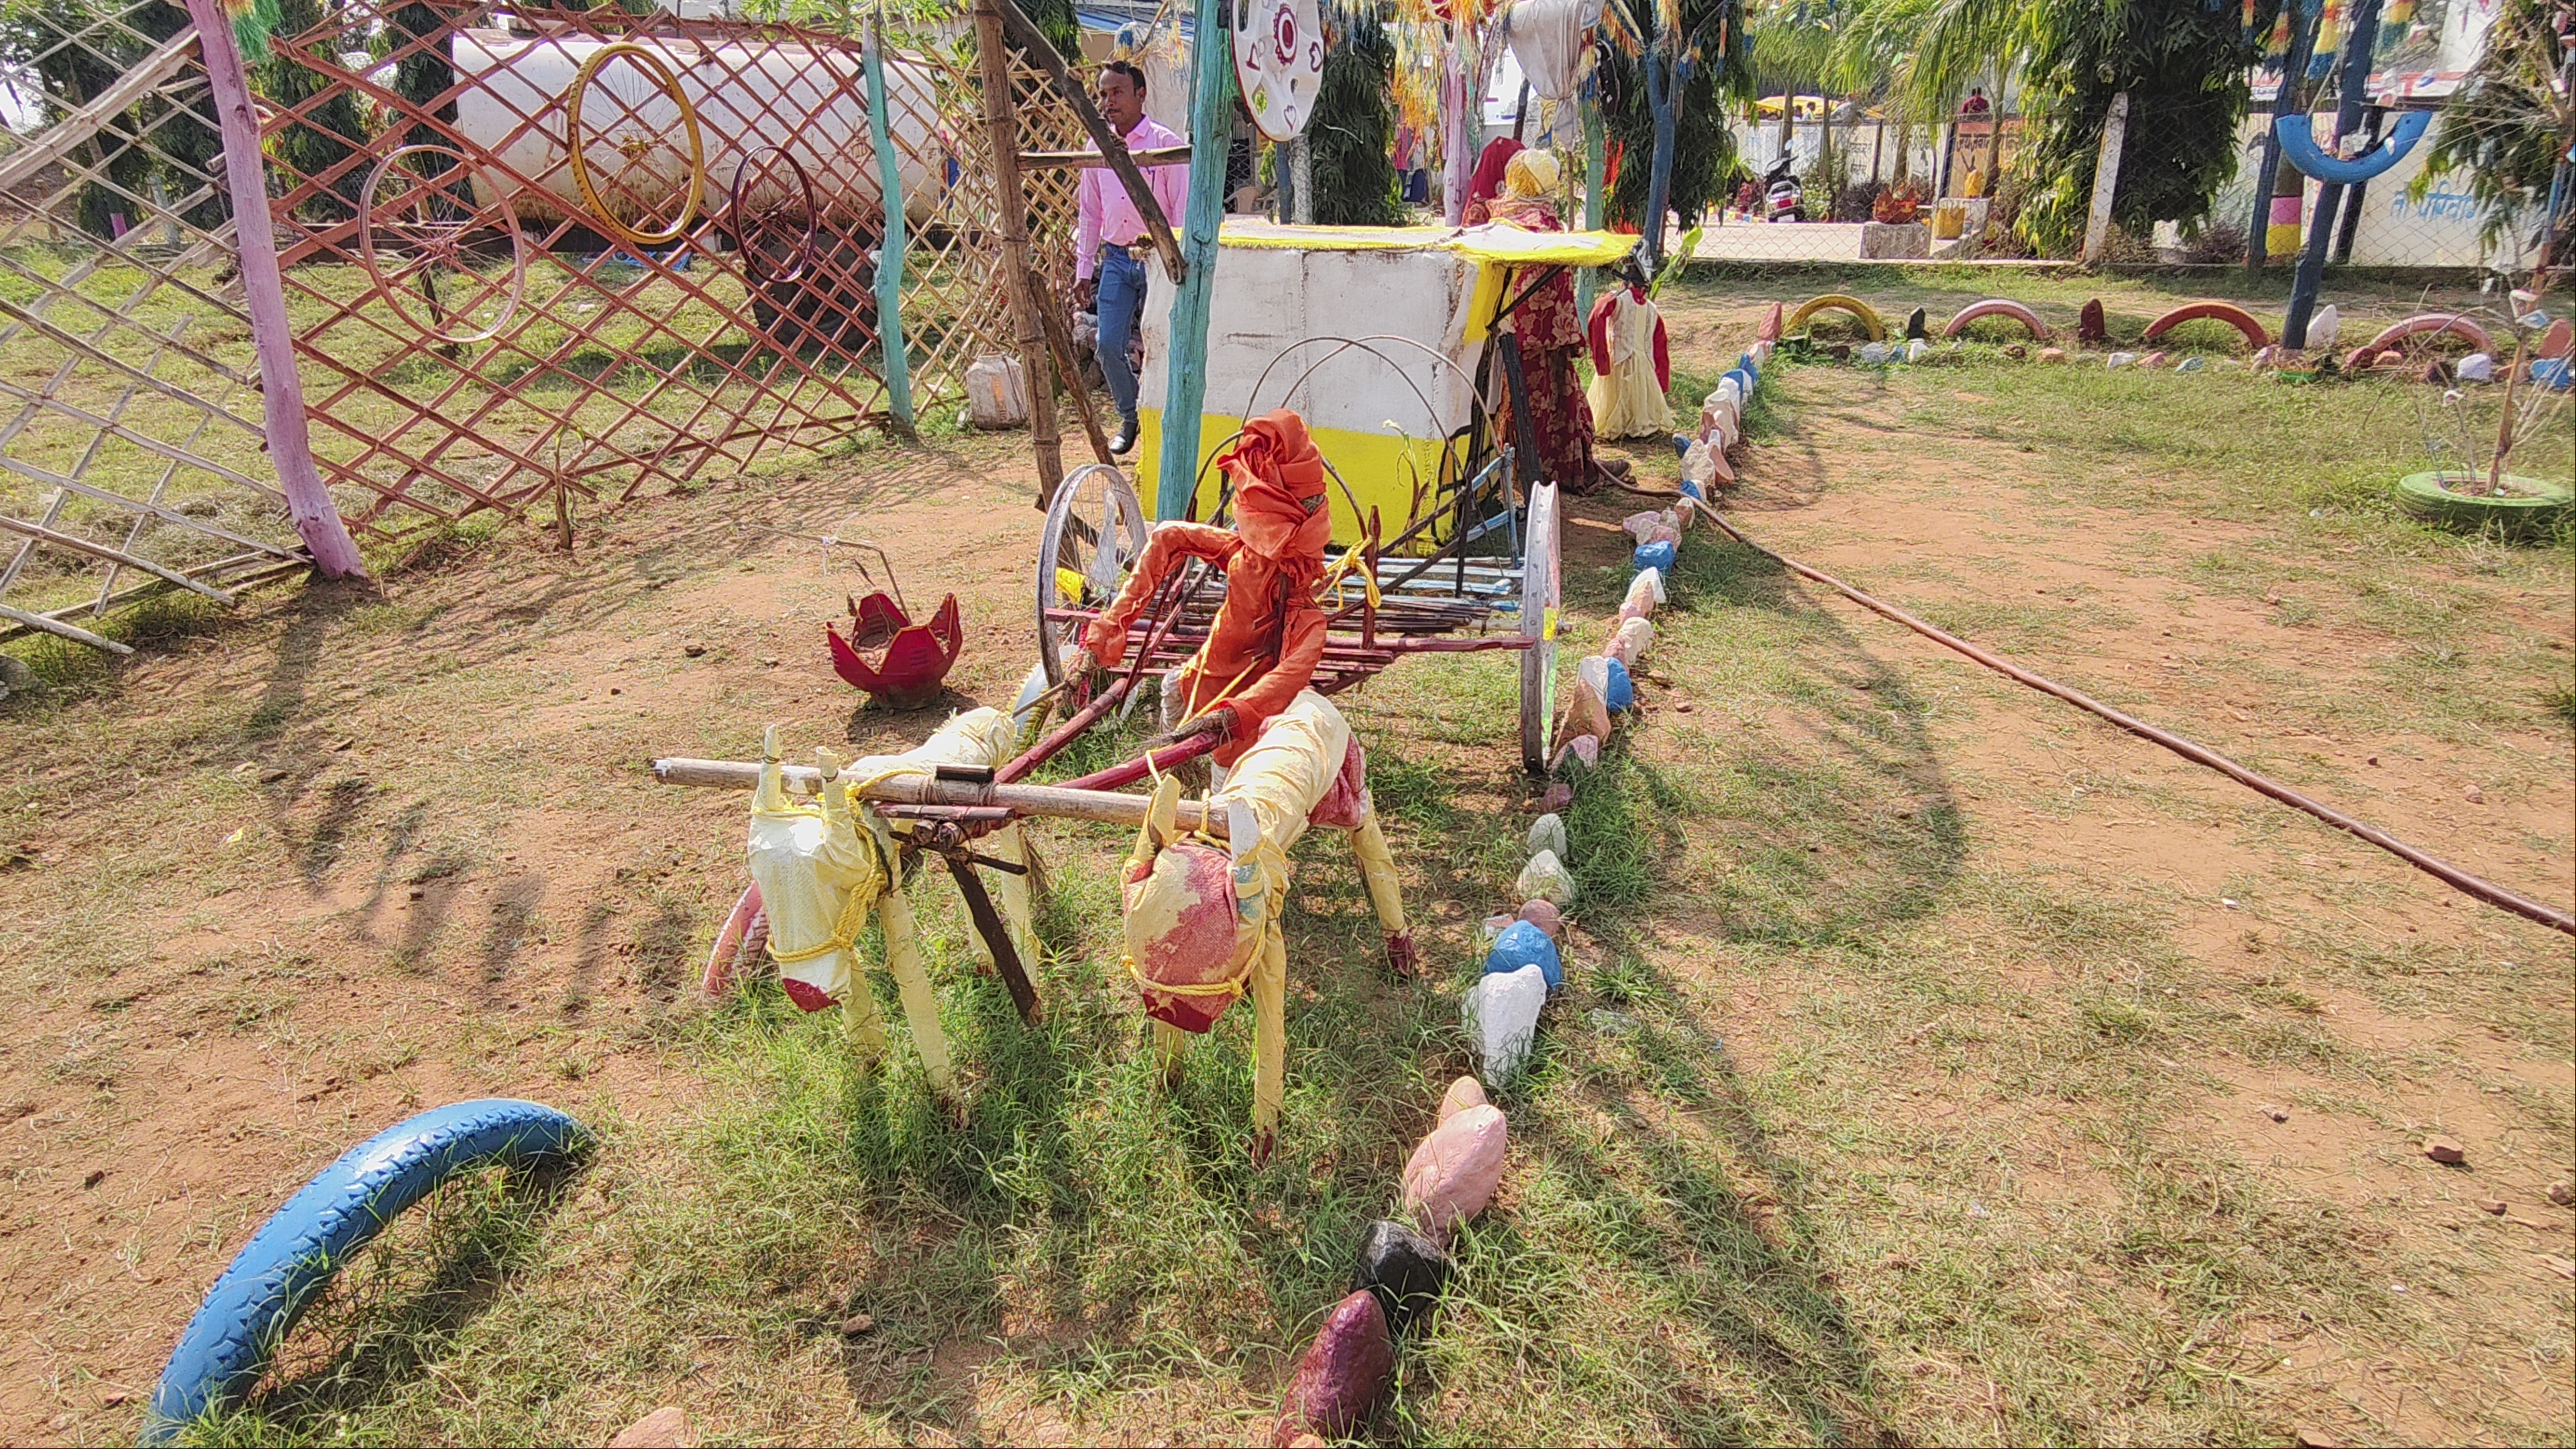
point(290, 444)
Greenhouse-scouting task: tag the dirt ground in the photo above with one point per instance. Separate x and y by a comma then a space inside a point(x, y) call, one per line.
point(359, 850)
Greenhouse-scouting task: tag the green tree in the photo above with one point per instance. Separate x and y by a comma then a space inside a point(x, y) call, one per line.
point(1352, 131)
point(2508, 126)
point(2184, 65)
point(77, 49)
point(1715, 52)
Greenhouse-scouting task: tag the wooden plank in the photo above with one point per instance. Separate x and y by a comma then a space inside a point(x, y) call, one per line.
point(1094, 161)
point(113, 555)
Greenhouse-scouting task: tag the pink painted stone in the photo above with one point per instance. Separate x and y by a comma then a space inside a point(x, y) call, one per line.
point(1544, 915)
point(665, 1428)
point(1343, 1377)
point(1453, 1173)
point(1556, 797)
point(2558, 341)
point(1463, 1093)
point(1769, 331)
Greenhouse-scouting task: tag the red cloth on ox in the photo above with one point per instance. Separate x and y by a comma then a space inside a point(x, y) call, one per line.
point(1269, 632)
point(1347, 803)
point(1184, 930)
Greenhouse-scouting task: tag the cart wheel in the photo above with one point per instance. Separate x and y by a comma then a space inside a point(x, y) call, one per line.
point(1541, 587)
point(1094, 531)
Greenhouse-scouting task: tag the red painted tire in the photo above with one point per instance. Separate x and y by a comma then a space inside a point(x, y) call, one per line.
point(1998, 307)
point(732, 940)
point(2433, 324)
point(2227, 312)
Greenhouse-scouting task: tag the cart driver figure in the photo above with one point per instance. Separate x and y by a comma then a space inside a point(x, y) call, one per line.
point(1269, 633)
point(1202, 925)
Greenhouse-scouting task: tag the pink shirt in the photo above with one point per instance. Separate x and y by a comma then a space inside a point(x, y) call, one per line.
point(1104, 214)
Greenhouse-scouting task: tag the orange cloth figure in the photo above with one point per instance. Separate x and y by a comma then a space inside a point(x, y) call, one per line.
point(1269, 633)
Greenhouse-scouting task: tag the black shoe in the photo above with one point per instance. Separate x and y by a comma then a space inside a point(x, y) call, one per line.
point(1125, 442)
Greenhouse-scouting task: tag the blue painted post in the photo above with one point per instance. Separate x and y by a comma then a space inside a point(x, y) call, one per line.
point(898, 367)
point(2364, 19)
point(1211, 122)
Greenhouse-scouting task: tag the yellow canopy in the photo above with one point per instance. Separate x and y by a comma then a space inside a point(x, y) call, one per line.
point(1807, 105)
point(1493, 242)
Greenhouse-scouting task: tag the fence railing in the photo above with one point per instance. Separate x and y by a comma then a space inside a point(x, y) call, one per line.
point(530, 256)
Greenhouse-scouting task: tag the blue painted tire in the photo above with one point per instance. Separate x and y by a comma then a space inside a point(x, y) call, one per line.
point(292, 1258)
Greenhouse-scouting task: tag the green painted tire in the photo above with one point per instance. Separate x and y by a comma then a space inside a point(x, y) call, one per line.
point(2536, 510)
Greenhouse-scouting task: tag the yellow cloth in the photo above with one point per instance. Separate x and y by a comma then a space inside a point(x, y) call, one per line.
point(1531, 173)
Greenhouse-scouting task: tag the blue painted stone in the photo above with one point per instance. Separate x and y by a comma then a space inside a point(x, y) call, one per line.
point(1656, 555)
point(1623, 690)
point(1523, 945)
point(1681, 444)
point(1691, 490)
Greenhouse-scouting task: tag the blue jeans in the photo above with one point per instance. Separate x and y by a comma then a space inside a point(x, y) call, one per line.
point(1121, 299)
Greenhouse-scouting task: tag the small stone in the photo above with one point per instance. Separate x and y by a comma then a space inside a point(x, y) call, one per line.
point(1544, 915)
point(2052, 354)
point(2563, 1192)
point(769, 661)
point(2118, 360)
point(2494, 1206)
point(1685, 707)
point(693, 650)
point(1463, 1093)
point(2309, 1436)
point(2474, 795)
point(1556, 797)
point(1453, 1172)
point(1343, 1377)
point(273, 774)
point(2090, 324)
point(2277, 1114)
point(97, 1175)
point(1404, 1269)
point(116, 1398)
point(2445, 1151)
point(665, 1428)
point(858, 1325)
point(1548, 833)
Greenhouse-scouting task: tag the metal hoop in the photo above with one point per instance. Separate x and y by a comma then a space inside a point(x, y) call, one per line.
point(647, 61)
point(392, 294)
point(1362, 343)
point(805, 247)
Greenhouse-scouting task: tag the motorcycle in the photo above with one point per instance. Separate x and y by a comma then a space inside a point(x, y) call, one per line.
point(1783, 199)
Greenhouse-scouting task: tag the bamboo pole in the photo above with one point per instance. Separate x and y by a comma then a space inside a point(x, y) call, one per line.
point(1060, 342)
point(290, 443)
point(1107, 807)
point(897, 366)
point(113, 555)
point(1001, 129)
point(1185, 392)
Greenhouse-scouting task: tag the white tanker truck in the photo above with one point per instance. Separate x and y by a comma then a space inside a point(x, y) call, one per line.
point(777, 96)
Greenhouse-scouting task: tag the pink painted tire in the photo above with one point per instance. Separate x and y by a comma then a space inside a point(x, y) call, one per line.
point(2431, 324)
point(1998, 307)
point(745, 930)
point(2227, 312)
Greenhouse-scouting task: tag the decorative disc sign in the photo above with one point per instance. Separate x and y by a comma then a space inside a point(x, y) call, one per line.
point(1279, 62)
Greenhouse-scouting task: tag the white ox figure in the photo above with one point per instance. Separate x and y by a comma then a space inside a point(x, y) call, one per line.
point(818, 871)
point(1202, 923)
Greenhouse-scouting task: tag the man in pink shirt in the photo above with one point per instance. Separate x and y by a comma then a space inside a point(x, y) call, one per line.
point(1109, 245)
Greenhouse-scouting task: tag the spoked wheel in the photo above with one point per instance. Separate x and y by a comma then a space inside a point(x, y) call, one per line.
point(1541, 588)
point(1094, 531)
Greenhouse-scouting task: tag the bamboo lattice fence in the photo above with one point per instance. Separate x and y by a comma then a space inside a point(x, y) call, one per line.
point(475, 326)
point(131, 432)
